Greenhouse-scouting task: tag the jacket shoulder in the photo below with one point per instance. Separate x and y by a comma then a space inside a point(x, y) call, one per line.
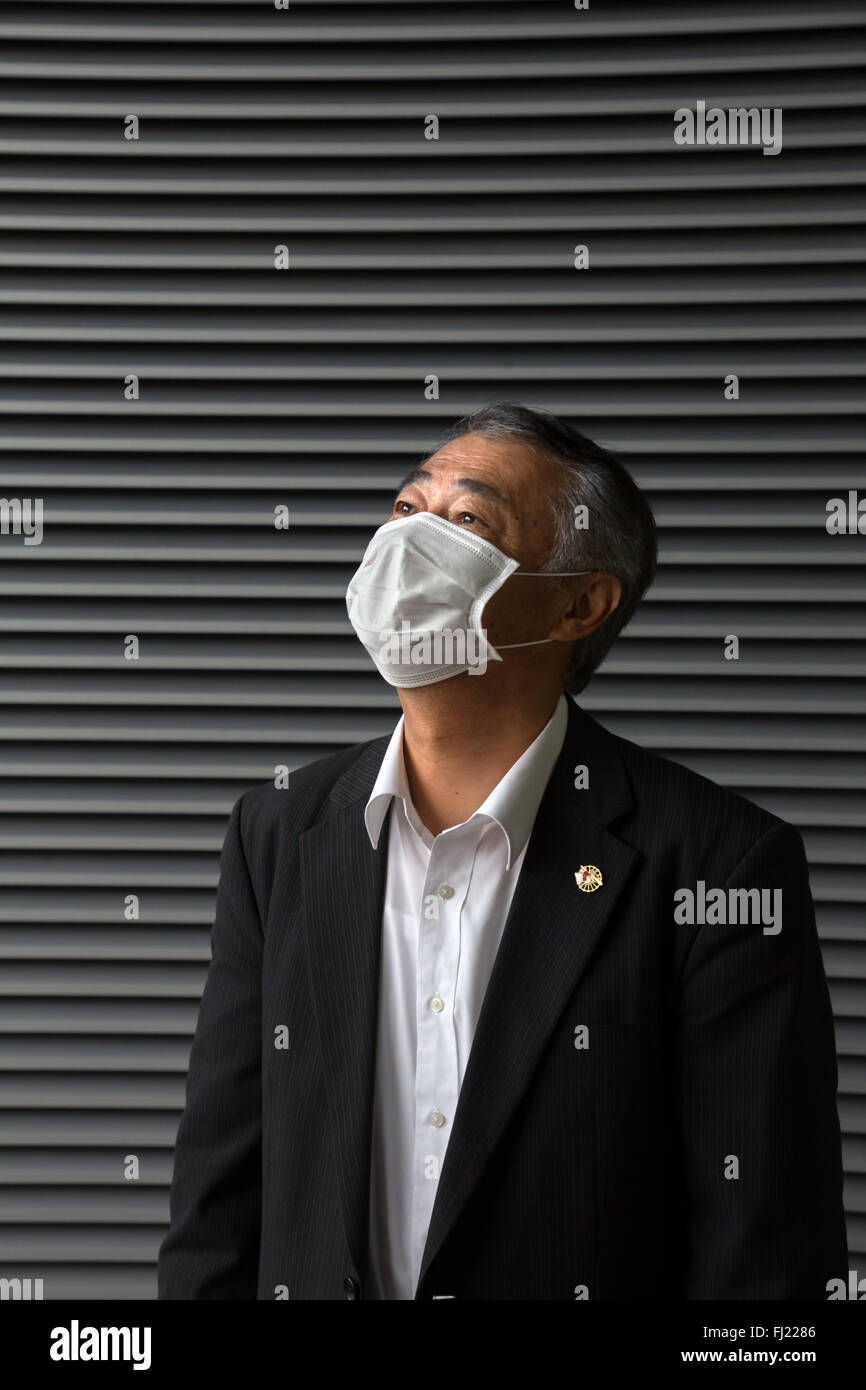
point(306, 797)
point(271, 820)
point(701, 819)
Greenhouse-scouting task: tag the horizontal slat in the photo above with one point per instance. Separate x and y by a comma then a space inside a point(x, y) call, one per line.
point(482, 98)
point(802, 511)
point(65, 1168)
point(762, 623)
point(72, 1280)
point(480, 57)
point(618, 324)
point(130, 1017)
point(709, 732)
point(786, 582)
point(162, 760)
point(136, 942)
point(409, 257)
point(81, 797)
point(445, 253)
point(155, 401)
point(130, 1203)
point(119, 1243)
point(812, 546)
point(410, 22)
point(614, 699)
point(482, 369)
point(280, 216)
point(89, 795)
point(169, 980)
point(300, 287)
point(332, 650)
point(467, 139)
point(90, 1092)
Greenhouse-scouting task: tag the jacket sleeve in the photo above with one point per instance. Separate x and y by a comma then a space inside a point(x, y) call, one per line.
point(761, 1145)
point(211, 1249)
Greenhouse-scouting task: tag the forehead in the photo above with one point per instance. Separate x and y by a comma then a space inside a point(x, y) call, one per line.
point(508, 463)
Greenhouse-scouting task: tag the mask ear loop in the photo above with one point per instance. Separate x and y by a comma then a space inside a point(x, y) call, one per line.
point(539, 641)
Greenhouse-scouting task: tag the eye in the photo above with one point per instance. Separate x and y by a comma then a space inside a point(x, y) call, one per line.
point(471, 519)
point(401, 503)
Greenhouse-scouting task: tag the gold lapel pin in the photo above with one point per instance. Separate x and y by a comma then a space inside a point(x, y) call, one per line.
point(588, 878)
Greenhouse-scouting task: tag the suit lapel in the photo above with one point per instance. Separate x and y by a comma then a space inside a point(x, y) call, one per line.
point(549, 937)
point(343, 882)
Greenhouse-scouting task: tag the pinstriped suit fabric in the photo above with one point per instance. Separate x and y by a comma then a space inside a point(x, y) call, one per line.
point(606, 1168)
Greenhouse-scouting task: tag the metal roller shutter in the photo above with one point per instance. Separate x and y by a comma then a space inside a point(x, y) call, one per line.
point(258, 387)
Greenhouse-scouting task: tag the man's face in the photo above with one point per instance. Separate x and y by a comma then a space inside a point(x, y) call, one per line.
point(498, 489)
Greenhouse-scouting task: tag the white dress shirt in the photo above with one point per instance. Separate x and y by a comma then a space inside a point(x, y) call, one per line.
point(445, 905)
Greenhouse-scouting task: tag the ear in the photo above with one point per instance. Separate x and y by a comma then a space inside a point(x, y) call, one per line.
point(587, 607)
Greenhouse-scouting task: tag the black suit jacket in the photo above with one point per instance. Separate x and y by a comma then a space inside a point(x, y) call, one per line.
point(603, 1171)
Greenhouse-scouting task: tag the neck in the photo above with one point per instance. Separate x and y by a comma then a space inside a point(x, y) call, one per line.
point(458, 743)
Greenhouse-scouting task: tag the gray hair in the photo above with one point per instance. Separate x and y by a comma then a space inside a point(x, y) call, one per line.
point(621, 536)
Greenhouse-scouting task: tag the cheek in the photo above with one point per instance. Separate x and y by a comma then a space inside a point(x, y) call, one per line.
point(518, 611)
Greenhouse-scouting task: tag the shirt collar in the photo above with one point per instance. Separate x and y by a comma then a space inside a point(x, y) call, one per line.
point(512, 804)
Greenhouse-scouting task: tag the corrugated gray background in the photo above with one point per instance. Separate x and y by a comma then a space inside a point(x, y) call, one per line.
point(305, 387)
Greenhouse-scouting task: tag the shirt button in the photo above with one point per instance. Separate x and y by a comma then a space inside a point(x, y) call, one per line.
point(437, 1118)
point(445, 890)
point(437, 1004)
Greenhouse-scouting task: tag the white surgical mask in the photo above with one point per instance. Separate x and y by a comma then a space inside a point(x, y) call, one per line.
point(417, 597)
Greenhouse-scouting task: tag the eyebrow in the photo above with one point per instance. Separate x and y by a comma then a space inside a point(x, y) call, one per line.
point(471, 485)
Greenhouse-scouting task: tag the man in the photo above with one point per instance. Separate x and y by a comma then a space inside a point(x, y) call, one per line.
point(503, 1006)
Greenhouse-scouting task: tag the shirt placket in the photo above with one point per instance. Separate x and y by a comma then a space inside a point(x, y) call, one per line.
point(437, 1081)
